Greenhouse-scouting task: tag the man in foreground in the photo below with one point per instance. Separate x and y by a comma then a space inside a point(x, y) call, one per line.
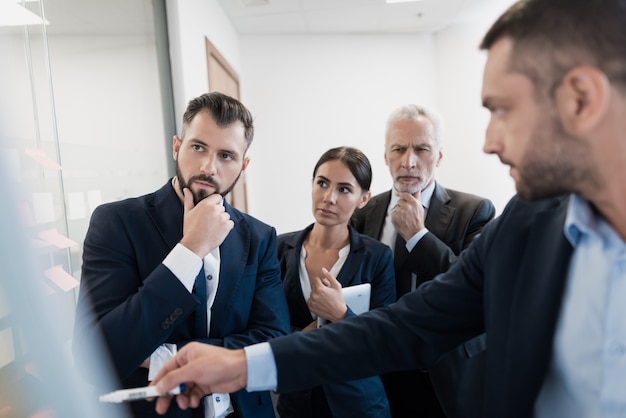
point(545, 280)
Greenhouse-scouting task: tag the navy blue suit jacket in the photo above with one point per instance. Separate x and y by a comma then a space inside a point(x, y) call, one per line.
point(138, 304)
point(509, 283)
point(369, 261)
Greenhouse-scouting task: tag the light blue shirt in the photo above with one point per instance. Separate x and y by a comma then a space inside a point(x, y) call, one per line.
point(587, 374)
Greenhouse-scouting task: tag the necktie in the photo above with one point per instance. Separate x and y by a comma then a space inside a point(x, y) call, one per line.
point(199, 289)
point(403, 276)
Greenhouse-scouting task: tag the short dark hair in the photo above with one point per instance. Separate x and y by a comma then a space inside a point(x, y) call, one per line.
point(356, 161)
point(225, 111)
point(550, 37)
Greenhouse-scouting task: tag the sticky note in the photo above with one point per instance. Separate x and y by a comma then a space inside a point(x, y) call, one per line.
point(61, 278)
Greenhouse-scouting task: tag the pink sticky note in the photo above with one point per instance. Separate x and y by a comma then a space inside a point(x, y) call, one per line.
point(46, 412)
point(53, 237)
point(61, 278)
point(31, 368)
point(40, 156)
point(37, 243)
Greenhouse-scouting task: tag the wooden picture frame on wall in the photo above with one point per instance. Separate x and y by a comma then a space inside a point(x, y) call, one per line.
point(224, 79)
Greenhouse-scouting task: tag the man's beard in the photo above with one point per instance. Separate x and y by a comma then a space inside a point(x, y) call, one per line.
point(202, 194)
point(553, 164)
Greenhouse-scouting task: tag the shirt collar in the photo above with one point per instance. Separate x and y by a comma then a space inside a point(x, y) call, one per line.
point(581, 220)
point(427, 194)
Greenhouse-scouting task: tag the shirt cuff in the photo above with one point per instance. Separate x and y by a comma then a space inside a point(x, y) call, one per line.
point(184, 264)
point(412, 242)
point(261, 367)
point(161, 356)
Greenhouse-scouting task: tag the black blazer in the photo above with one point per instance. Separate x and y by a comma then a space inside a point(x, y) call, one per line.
point(138, 303)
point(509, 283)
point(453, 220)
point(369, 261)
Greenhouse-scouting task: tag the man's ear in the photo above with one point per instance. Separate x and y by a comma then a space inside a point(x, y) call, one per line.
point(176, 142)
point(244, 165)
point(582, 99)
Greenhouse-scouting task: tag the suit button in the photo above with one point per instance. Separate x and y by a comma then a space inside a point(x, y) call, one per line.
point(173, 317)
point(178, 311)
point(164, 325)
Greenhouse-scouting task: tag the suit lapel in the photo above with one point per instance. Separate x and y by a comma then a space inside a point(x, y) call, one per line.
point(291, 278)
point(439, 212)
point(348, 273)
point(166, 211)
point(375, 219)
point(540, 283)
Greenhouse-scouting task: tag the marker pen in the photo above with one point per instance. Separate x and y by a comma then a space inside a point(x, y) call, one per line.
point(136, 394)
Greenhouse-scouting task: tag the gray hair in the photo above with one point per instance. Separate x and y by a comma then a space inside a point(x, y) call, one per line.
point(411, 111)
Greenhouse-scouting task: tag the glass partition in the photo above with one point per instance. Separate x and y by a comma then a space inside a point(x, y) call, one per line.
point(81, 123)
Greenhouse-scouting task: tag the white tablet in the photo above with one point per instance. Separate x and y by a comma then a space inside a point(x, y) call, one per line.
point(357, 298)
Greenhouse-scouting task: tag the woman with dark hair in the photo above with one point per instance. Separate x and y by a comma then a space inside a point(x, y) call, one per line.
point(317, 262)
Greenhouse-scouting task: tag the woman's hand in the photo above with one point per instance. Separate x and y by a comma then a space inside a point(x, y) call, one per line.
point(326, 298)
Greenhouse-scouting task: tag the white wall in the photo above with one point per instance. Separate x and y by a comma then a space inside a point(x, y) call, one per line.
point(459, 66)
point(312, 93)
point(189, 22)
point(309, 93)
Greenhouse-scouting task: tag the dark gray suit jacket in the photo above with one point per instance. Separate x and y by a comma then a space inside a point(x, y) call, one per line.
point(509, 283)
point(454, 219)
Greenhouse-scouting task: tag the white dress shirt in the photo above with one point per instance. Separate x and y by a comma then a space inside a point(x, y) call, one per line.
point(185, 265)
point(305, 282)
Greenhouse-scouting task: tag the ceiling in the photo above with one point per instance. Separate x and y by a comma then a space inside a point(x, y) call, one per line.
point(96, 17)
point(350, 16)
point(123, 17)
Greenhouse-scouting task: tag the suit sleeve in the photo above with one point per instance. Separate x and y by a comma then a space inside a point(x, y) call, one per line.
point(432, 256)
point(384, 280)
point(411, 333)
point(116, 307)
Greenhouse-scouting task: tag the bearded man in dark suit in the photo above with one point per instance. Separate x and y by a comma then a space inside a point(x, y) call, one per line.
point(181, 265)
